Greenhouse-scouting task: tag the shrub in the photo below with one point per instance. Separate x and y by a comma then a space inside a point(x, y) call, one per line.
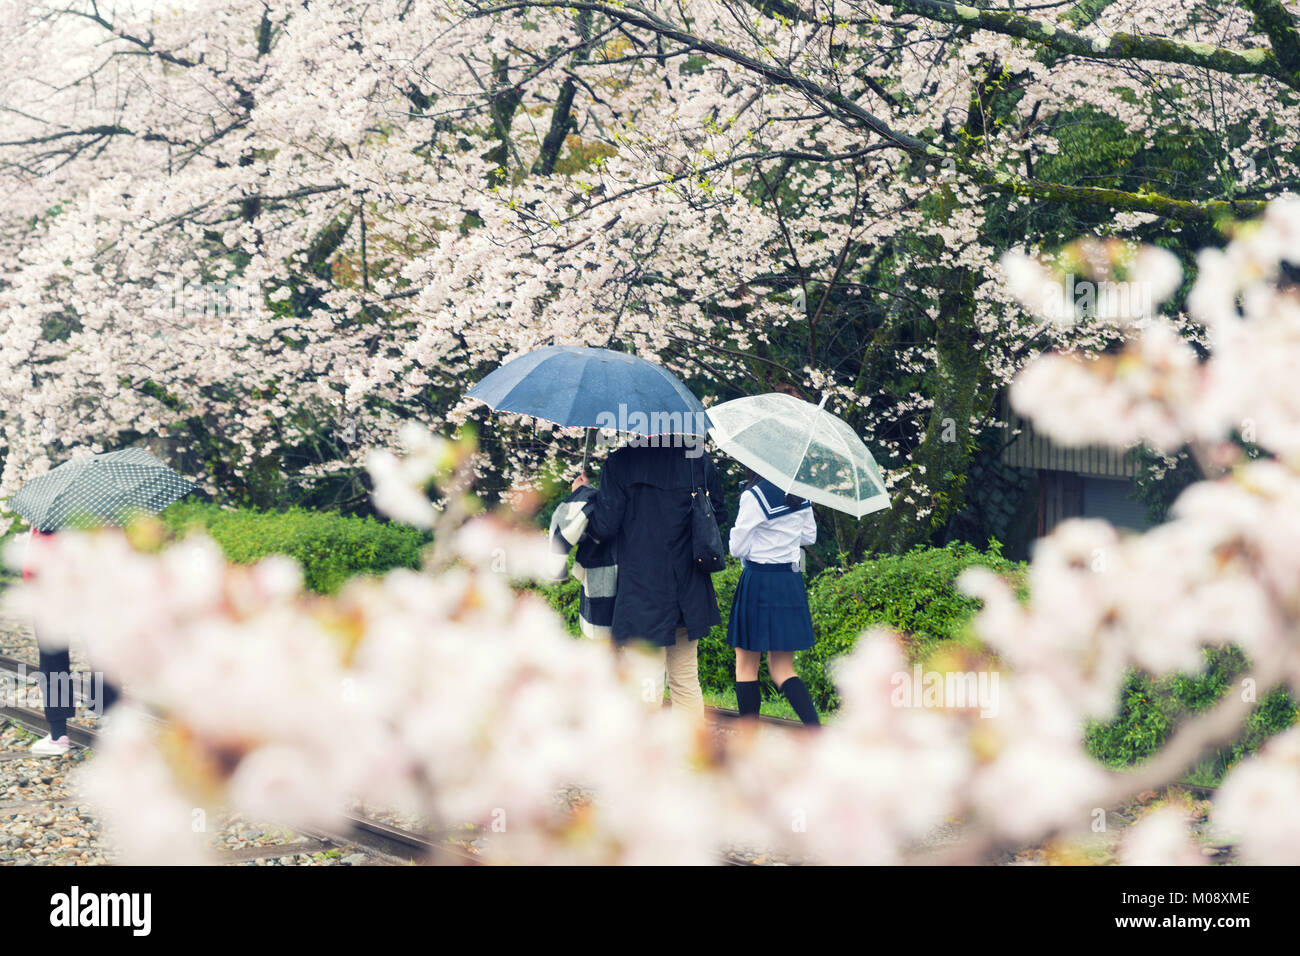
point(1151, 708)
point(330, 547)
point(913, 592)
point(564, 596)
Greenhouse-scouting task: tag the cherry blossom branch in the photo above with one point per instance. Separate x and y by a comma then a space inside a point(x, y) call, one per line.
point(146, 46)
point(1118, 46)
point(97, 131)
point(1189, 744)
point(990, 178)
point(1275, 22)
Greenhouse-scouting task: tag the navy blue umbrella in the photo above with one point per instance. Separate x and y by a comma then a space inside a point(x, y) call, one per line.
point(584, 387)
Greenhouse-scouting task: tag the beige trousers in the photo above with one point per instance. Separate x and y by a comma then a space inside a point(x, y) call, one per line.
point(680, 663)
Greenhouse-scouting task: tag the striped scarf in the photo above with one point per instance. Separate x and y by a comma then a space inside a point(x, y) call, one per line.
point(594, 565)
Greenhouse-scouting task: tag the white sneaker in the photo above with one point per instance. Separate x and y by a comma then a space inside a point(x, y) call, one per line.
point(49, 747)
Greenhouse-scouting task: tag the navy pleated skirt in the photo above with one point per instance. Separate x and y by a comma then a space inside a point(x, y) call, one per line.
point(769, 611)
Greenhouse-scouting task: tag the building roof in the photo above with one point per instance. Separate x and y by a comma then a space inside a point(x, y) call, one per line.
point(1024, 448)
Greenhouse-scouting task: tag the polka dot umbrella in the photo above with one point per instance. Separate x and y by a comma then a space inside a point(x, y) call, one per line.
point(99, 489)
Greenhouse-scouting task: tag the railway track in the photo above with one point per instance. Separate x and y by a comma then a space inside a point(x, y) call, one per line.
point(722, 715)
point(379, 842)
point(388, 843)
point(15, 667)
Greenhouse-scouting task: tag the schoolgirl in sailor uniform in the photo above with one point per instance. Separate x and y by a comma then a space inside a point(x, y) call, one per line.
point(769, 612)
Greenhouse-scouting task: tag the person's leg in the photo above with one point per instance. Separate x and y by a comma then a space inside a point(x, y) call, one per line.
point(645, 668)
point(747, 664)
point(684, 675)
point(749, 698)
point(781, 664)
point(56, 690)
point(101, 695)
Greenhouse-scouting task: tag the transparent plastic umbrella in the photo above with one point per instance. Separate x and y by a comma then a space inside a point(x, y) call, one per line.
point(802, 449)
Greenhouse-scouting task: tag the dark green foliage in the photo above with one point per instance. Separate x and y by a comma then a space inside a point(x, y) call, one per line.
point(913, 593)
point(1159, 493)
point(564, 598)
point(717, 659)
point(331, 548)
point(1275, 713)
point(1001, 501)
point(1151, 708)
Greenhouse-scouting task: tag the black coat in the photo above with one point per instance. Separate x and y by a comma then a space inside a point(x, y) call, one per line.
point(644, 505)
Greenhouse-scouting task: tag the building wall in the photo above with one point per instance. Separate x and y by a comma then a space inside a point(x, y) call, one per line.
point(1086, 482)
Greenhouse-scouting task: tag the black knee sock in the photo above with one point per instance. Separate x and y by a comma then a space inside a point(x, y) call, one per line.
point(106, 698)
point(56, 689)
point(797, 694)
point(747, 697)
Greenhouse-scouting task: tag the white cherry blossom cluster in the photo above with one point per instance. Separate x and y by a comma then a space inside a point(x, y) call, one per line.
point(339, 164)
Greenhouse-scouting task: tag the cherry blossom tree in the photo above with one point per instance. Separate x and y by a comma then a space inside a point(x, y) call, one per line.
point(267, 234)
point(451, 693)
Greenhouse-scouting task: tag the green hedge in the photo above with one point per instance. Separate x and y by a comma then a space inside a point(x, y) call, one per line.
point(913, 593)
point(17, 528)
point(1151, 708)
point(330, 547)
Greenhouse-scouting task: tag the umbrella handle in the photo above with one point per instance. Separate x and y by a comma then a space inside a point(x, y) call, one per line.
point(586, 451)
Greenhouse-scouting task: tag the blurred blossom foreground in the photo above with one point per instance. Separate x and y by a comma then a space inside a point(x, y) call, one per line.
point(452, 694)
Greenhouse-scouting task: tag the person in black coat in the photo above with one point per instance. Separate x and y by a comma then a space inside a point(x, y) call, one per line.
point(643, 504)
